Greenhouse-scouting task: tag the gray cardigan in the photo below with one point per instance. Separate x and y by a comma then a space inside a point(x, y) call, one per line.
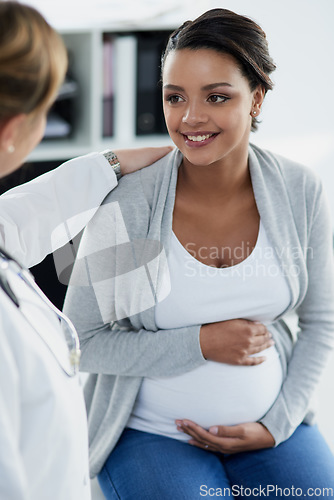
point(117, 280)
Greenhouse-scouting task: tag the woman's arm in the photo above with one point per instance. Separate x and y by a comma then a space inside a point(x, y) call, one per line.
point(42, 215)
point(316, 336)
point(114, 349)
point(111, 285)
point(310, 353)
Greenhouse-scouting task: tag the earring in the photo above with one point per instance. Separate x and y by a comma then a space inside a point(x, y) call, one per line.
point(11, 149)
point(254, 113)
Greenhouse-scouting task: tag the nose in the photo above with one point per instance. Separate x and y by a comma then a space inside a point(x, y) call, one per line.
point(194, 114)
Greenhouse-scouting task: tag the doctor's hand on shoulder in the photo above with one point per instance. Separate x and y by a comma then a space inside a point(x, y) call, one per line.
point(134, 159)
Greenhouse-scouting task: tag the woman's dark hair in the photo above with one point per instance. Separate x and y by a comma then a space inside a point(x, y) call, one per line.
point(229, 33)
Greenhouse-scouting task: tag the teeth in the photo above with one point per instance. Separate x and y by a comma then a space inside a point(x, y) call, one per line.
point(198, 138)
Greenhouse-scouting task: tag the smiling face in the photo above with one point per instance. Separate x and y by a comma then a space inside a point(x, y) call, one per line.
point(208, 105)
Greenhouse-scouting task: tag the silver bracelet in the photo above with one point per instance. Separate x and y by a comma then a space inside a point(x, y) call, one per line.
point(113, 161)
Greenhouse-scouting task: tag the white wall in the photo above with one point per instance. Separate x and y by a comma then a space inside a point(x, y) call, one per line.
point(298, 115)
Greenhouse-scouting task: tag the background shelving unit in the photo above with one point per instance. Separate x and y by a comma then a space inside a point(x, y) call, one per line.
point(86, 65)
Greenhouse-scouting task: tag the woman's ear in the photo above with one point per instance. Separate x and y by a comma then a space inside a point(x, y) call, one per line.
point(258, 97)
point(10, 132)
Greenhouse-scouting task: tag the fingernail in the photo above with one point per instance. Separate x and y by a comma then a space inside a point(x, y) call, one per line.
point(213, 430)
point(179, 428)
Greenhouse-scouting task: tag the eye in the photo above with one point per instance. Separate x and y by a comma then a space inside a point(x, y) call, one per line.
point(216, 98)
point(174, 99)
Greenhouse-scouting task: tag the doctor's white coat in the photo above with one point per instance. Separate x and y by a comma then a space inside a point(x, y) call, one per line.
point(43, 428)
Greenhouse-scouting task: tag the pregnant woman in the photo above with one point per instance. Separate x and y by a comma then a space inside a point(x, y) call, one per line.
point(197, 384)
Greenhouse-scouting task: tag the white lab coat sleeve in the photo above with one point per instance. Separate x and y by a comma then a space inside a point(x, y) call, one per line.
point(42, 215)
point(13, 476)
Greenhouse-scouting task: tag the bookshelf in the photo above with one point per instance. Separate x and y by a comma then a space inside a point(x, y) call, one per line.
point(104, 86)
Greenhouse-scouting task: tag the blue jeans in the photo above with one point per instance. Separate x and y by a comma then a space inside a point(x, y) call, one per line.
point(146, 466)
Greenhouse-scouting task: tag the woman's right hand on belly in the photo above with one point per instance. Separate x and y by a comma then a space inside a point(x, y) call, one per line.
point(235, 342)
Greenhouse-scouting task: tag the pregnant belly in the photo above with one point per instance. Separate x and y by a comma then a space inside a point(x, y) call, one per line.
point(213, 394)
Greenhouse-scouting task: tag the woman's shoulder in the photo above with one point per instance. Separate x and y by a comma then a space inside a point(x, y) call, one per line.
point(131, 203)
point(140, 186)
point(294, 174)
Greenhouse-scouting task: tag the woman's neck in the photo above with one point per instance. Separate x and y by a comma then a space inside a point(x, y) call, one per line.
point(222, 179)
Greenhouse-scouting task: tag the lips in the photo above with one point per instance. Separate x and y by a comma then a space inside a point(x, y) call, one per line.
point(196, 139)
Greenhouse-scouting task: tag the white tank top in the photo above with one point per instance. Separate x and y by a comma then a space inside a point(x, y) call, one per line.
point(215, 393)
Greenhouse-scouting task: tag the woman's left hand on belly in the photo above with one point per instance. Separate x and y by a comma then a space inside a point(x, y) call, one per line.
point(227, 439)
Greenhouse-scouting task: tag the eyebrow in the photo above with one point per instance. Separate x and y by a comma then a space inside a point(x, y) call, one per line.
point(214, 85)
point(206, 87)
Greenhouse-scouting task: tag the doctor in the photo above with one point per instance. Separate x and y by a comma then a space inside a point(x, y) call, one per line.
point(43, 430)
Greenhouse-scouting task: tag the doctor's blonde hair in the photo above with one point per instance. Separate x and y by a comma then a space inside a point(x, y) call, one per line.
point(33, 61)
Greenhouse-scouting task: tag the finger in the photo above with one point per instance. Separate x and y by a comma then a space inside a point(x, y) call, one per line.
point(260, 347)
point(162, 150)
point(227, 442)
point(157, 152)
point(206, 447)
point(225, 439)
point(228, 431)
point(134, 159)
point(190, 428)
point(195, 438)
point(194, 430)
point(259, 328)
point(262, 337)
point(254, 360)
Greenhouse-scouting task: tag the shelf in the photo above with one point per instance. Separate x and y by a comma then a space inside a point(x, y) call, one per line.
point(66, 149)
point(86, 63)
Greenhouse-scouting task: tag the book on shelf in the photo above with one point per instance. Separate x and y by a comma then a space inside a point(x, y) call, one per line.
point(108, 85)
point(150, 119)
point(56, 127)
point(60, 118)
point(68, 90)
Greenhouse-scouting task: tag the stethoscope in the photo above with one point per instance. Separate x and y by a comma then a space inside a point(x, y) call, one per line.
point(9, 265)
